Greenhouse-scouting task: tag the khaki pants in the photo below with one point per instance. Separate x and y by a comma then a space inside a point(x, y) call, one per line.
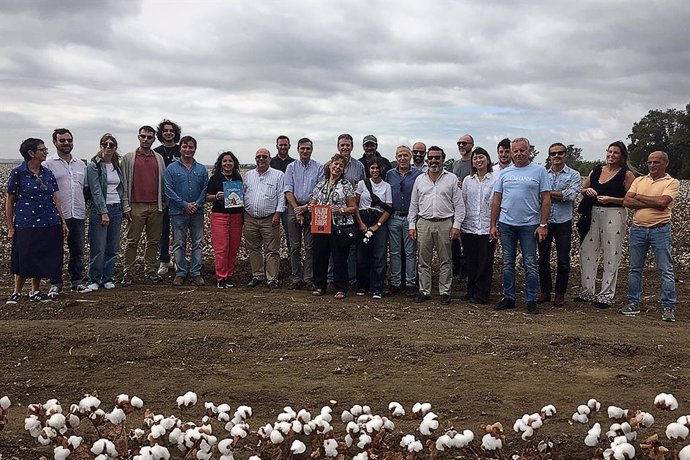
point(435, 235)
point(145, 217)
point(262, 240)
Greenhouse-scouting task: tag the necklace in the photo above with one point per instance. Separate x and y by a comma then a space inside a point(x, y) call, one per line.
point(226, 177)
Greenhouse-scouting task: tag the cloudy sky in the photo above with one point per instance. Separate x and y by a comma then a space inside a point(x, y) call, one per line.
point(235, 74)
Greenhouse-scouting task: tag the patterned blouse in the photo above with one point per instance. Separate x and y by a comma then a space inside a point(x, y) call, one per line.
point(335, 196)
point(34, 206)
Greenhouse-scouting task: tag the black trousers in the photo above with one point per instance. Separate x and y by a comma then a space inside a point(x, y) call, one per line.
point(479, 264)
point(562, 234)
point(325, 246)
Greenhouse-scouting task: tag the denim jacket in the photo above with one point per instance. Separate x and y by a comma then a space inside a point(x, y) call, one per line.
point(97, 178)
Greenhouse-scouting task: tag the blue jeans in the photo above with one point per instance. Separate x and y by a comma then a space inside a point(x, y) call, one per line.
point(75, 245)
point(510, 235)
point(104, 244)
point(401, 245)
point(183, 225)
point(641, 238)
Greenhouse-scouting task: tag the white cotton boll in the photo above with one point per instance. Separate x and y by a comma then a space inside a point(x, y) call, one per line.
point(46, 435)
point(374, 425)
point(684, 453)
point(157, 431)
point(52, 406)
point(244, 411)
point(364, 440)
point(594, 405)
point(366, 409)
point(5, 403)
point(276, 437)
point(676, 432)
point(201, 455)
point(427, 426)
point(60, 453)
point(296, 426)
point(631, 436)
point(283, 427)
point(74, 441)
point(254, 457)
point(361, 456)
point(33, 425)
point(618, 440)
point(591, 440)
point(176, 436)
point(227, 457)
point(388, 424)
point(56, 421)
point(116, 417)
point(684, 420)
point(543, 446)
point(330, 447)
point(352, 427)
point(537, 422)
point(324, 427)
point(99, 447)
point(228, 426)
point(623, 451)
point(583, 409)
point(348, 440)
point(225, 446)
point(462, 440)
point(89, 404)
point(160, 452)
point(356, 410)
point(417, 408)
point(426, 407)
point(443, 441)
point(666, 401)
point(308, 428)
point(346, 416)
point(580, 418)
point(364, 418)
point(647, 419)
point(223, 407)
point(189, 398)
point(180, 401)
point(616, 412)
point(284, 417)
point(528, 433)
point(98, 413)
point(304, 416)
point(397, 409)
point(72, 421)
point(239, 431)
point(491, 443)
point(549, 410)
point(123, 398)
point(595, 430)
point(416, 446)
point(406, 440)
point(136, 402)
point(223, 417)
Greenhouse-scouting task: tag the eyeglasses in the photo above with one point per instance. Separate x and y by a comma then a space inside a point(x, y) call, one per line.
point(559, 153)
point(65, 141)
point(40, 184)
point(262, 157)
point(463, 143)
point(419, 152)
point(144, 136)
point(109, 145)
point(434, 158)
point(44, 150)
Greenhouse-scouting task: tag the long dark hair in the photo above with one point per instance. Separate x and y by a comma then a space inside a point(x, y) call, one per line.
point(624, 153)
point(218, 165)
point(481, 151)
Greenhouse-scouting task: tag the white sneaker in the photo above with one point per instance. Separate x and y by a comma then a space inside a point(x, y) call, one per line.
point(109, 285)
point(53, 292)
point(163, 268)
point(90, 288)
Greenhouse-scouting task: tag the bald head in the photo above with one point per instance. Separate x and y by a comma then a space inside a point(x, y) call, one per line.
point(657, 162)
point(262, 158)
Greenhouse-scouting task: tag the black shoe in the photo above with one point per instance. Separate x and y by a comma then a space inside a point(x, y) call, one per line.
point(296, 285)
point(421, 297)
point(467, 296)
point(532, 308)
point(445, 299)
point(273, 284)
point(505, 304)
point(602, 305)
point(229, 283)
point(222, 284)
point(579, 299)
point(254, 282)
point(393, 290)
point(477, 301)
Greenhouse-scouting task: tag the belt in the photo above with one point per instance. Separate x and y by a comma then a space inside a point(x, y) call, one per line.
point(401, 213)
point(437, 219)
point(370, 211)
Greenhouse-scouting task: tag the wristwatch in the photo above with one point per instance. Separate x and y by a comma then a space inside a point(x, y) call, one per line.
point(543, 225)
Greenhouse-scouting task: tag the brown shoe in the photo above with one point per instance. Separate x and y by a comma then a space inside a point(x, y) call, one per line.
point(198, 281)
point(178, 281)
point(543, 297)
point(559, 300)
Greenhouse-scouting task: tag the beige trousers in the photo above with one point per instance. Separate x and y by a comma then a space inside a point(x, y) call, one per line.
point(430, 236)
point(145, 217)
point(262, 241)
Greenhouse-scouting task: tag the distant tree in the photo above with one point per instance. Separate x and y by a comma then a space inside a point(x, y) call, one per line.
point(573, 155)
point(662, 130)
point(533, 152)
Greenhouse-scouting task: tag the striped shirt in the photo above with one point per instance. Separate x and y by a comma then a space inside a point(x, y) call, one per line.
point(263, 193)
point(301, 180)
point(477, 196)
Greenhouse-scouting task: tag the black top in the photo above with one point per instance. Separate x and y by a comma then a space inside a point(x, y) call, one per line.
point(215, 185)
point(614, 187)
point(169, 154)
point(386, 164)
point(281, 165)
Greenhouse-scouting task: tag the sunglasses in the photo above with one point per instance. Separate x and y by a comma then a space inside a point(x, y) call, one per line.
point(109, 145)
point(144, 136)
point(463, 143)
point(434, 158)
point(558, 153)
point(65, 141)
point(262, 157)
point(419, 152)
point(40, 184)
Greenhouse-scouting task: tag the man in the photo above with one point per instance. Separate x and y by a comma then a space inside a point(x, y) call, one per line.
point(418, 156)
point(565, 186)
point(300, 179)
point(503, 153)
point(462, 168)
point(143, 203)
point(168, 134)
point(522, 198)
point(403, 249)
point(651, 198)
point(281, 162)
point(370, 145)
point(185, 187)
point(436, 213)
point(264, 201)
point(70, 174)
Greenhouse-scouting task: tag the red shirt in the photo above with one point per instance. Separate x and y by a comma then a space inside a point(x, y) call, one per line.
point(145, 185)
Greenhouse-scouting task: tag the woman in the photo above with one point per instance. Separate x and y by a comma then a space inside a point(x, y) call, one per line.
point(104, 177)
point(602, 224)
point(477, 193)
point(226, 216)
point(339, 195)
point(374, 205)
point(34, 222)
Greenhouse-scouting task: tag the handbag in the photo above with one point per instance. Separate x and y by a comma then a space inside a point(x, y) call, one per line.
point(347, 234)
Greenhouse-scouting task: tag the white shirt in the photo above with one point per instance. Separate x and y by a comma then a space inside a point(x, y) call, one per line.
point(263, 193)
point(436, 200)
point(113, 180)
point(477, 196)
point(71, 178)
point(382, 190)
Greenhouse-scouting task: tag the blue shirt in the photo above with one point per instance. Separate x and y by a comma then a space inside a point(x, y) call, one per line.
point(301, 180)
point(568, 183)
point(521, 188)
point(34, 205)
point(183, 186)
point(401, 187)
point(354, 172)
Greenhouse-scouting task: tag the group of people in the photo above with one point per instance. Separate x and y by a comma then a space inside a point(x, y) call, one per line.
point(346, 222)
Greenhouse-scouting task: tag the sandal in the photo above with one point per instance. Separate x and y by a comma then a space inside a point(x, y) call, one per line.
point(318, 292)
point(339, 295)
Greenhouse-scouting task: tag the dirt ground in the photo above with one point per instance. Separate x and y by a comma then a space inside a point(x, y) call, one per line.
point(269, 349)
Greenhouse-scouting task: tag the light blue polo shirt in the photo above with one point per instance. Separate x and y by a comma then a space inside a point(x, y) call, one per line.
point(521, 188)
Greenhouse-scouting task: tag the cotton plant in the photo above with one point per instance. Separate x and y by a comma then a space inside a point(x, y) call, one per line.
point(419, 410)
point(187, 400)
point(397, 410)
point(615, 412)
point(585, 411)
point(494, 437)
point(665, 401)
point(5, 404)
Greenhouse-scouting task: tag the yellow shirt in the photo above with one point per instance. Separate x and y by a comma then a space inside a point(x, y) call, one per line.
point(645, 185)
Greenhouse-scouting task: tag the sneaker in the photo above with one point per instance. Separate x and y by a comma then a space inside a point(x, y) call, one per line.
point(668, 314)
point(296, 285)
point(421, 297)
point(361, 292)
point(15, 297)
point(38, 296)
point(84, 288)
point(229, 283)
point(532, 308)
point(198, 280)
point(603, 306)
point(109, 285)
point(54, 291)
point(273, 284)
point(376, 295)
point(254, 282)
point(631, 309)
point(155, 277)
point(127, 280)
point(505, 304)
point(221, 284)
point(163, 268)
point(178, 281)
point(445, 299)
